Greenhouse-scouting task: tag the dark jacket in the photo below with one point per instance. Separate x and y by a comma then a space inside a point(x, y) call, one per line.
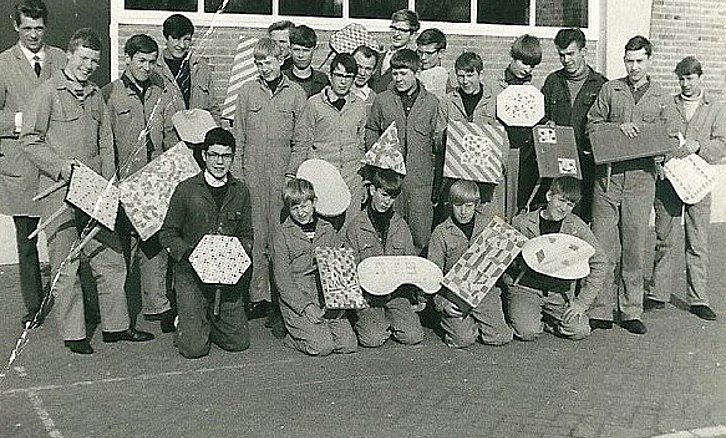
point(557, 103)
point(193, 213)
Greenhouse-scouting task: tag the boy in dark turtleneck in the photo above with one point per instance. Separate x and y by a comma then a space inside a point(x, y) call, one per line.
point(449, 241)
point(378, 231)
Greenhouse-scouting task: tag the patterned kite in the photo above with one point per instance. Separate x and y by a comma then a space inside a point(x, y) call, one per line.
point(386, 152)
point(475, 152)
point(243, 70)
point(219, 259)
point(382, 275)
point(93, 194)
point(692, 177)
point(339, 278)
point(556, 151)
point(520, 105)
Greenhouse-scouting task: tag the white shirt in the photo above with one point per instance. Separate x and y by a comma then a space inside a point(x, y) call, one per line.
point(362, 92)
point(30, 55)
point(212, 181)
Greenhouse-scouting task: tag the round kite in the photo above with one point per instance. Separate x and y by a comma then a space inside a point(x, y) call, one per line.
point(330, 188)
point(558, 255)
point(520, 105)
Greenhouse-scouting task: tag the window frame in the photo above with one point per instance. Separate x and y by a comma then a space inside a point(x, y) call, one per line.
point(122, 16)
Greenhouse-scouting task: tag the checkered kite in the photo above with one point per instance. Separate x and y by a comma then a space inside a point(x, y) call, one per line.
point(339, 278)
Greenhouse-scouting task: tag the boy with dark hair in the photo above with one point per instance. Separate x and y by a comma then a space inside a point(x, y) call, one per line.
point(67, 120)
point(449, 241)
point(430, 47)
point(296, 277)
point(538, 301)
point(366, 59)
point(279, 31)
point(525, 54)
point(303, 42)
point(268, 109)
point(569, 93)
point(624, 193)
point(332, 128)
point(703, 126)
point(419, 122)
point(404, 25)
point(23, 67)
point(212, 201)
point(132, 100)
point(376, 231)
point(187, 77)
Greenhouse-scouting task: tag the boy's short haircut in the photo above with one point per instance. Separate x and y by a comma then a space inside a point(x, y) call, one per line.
point(408, 16)
point(387, 180)
point(406, 58)
point(639, 42)
point(297, 191)
point(689, 66)
point(565, 37)
point(367, 52)
point(219, 136)
point(432, 36)
point(266, 47)
point(303, 36)
point(140, 43)
point(347, 61)
point(469, 62)
point(526, 48)
point(177, 26)
point(84, 37)
point(280, 25)
point(463, 191)
point(568, 187)
point(34, 9)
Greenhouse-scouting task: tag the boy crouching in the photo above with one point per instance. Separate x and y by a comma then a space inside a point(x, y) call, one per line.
point(309, 329)
point(448, 243)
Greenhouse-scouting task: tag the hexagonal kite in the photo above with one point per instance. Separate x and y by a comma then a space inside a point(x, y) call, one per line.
point(520, 105)
point(219, 259)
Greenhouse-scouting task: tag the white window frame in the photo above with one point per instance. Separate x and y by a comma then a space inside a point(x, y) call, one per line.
point(121, 16)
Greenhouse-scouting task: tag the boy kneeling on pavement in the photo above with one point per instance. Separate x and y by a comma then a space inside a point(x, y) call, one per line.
point(537, 301)
point(212, 202)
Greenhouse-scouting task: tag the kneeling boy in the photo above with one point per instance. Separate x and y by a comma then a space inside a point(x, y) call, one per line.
point(308, 328)
point(448, 243)
point(536, 297)
point(215, 202)
point(378, 231)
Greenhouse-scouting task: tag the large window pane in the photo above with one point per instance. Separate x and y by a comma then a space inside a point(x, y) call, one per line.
point(503, 11)
point(312, 8)
point(561, 13)
point(444, 10)
point(375, 8)
point(162, 5)
point(240, 6)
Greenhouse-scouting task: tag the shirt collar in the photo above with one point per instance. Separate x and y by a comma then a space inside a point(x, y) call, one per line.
point(212, 181)
point(362, 92)
point(30, 55)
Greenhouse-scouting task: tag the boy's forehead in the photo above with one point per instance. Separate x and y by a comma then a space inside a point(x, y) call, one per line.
point(220, 148)
point(181, 37)
point(402, 70)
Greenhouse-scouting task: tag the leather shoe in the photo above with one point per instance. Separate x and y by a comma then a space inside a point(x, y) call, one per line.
point(634, 326)
point(650, 304)
point(704, 312)
point(131, 335)
point(79, 347)
point(600, 324)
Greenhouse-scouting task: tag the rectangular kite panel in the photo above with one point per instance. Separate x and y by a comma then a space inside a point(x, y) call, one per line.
point(610, 145)
point(94, 195)
point(339, 278)
point(474, 274)
point(475, 152)
point(146, 194)
point(556, 151)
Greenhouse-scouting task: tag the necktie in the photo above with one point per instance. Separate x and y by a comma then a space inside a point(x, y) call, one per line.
point(36, 65)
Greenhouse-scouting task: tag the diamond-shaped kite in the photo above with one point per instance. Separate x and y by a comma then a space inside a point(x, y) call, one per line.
point(347, 39)
point(219, 259)
point(475, 152)
point(520, 105)
point(386, 152)
point(146, 194)
point(339, 278)
point(474, 274)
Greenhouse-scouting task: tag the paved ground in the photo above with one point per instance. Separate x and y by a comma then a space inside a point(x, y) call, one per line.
point(613, 384)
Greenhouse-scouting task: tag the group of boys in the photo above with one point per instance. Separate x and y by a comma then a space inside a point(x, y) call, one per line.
point(290, 113)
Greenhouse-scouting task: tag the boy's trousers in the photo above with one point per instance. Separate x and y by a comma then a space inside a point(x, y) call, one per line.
point(485, 321)
point(529, 306)
point(330, 336)
point(388, 316)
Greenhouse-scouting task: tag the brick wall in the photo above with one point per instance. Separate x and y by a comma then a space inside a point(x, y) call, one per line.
point(690, 27)
point(219, 49)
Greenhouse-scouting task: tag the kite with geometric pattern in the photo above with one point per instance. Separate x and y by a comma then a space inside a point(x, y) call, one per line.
point(339, 278)
point(475, 152)
point(474, 274)
point(520, 105)
point(93, 194)
point(219, 259)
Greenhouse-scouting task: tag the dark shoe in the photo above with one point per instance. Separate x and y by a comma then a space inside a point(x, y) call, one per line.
point(160, 316)
point(704, 312)
point(650, 304)
point(634, 326)
point(257, 310)
point(600, 324)
point(276, 325)
point(131, 335)
point(80, 347)
point(167, 325)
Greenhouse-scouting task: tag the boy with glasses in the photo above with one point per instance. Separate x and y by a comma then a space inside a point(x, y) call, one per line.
point(404, 25)
point(430, 47)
